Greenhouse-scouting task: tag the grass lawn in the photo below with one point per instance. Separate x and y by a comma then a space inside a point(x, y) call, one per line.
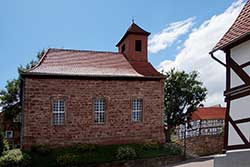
point(98, 155)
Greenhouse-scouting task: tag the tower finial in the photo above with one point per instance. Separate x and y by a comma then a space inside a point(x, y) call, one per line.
point(133, 20)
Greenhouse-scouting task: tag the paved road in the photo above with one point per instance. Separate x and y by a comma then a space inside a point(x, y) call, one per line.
point(201, 162)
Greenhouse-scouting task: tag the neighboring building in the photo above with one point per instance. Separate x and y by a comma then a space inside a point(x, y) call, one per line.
point(236, 44)
point(76, 96)
point(11, 129)
point(204, 121)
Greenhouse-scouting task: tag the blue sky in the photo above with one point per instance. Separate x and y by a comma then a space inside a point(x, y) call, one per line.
point(28, 26)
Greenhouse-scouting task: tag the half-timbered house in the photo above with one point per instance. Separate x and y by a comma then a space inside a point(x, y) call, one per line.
point(236, 45)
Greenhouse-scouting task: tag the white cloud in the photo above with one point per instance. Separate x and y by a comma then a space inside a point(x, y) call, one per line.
point(194, 54)
point(168, 35)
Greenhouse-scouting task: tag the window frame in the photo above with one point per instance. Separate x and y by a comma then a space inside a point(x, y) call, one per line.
point(141, 111)
point(138, 45)
point(100, 112)
point(12, 134)
point(58, 112)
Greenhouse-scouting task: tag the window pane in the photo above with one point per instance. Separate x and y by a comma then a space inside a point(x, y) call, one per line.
point(99, 109)
point(136, 109)
point(58, 112)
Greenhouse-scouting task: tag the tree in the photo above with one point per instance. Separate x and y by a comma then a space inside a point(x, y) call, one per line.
point(9, 97)
point(182, 94)
point(4, 146)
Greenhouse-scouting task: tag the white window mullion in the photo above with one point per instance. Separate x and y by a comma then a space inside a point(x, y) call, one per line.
point(136, 110)
point(99, 111)
point(58, 112)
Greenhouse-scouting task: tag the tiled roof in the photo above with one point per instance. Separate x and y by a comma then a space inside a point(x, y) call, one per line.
point(205, 113)
point(145, 68)
point(89, 63)
point(239, 29)
point(133, 29)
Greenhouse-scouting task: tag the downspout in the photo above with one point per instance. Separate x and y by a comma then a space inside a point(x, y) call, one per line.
point(216, 59)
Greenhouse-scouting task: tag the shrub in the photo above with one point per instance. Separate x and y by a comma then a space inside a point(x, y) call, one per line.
point(40, 149)
point(173, 149)
point(67, 159)
point(125, 153)
point(151, 145)
point(14, 157)
point(4, 146)
point(82, 148)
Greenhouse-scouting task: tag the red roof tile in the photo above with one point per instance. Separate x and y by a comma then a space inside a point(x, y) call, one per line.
point(205, 113)
point(145, 68)
point(133, 29)
point(239, 29)
point(89, 63)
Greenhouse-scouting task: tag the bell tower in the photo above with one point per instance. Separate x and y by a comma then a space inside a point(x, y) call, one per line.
point(134, 44)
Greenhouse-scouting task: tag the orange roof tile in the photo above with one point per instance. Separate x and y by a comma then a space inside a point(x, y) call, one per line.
point(205, 113)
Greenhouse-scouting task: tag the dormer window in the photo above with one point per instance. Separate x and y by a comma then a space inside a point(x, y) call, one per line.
point(123, 48)
point(138, 45)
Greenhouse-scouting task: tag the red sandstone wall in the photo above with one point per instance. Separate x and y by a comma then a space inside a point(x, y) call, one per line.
point(79, 126)
point(130, 48)
point(204, 145)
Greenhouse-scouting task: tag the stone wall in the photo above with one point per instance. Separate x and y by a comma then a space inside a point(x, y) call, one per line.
point(204, 145)
point(79, 124)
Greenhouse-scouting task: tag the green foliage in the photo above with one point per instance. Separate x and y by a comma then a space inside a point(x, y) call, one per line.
point(221, 131)
point(9, 97)
point(125, 153)
point(68, 156)
point(40, 149)
point(173, 149)
point(151, 145)
point(182, 94)
point(32, 63)
point(4, 146)
point(14, 157)
point(67, 159)
point(82, 148)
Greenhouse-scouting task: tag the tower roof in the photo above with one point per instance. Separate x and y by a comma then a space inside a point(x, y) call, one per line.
point(133, 29)
point(239, 29)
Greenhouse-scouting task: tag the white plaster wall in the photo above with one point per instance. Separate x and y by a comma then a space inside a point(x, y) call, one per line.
point(233, 137)
point(239, 108)
point(240, 54)
point(245, 129)
point(235, 79)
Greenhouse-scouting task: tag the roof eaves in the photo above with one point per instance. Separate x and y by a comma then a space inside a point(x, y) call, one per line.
point(38, 64)
point(230, 43)
point(89, 76)
point(127, 33)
